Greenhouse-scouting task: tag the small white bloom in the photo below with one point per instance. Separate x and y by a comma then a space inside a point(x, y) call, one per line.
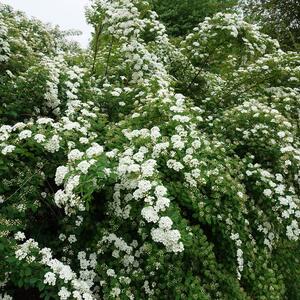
point(72, 238)
point(60, 174)
point(50, 278)
point(111, 273)
point(267, 192)
point(84, 140)
point(165, 223)
point(83, 166)
point(25, 134)
point(8, 149)
point(150, 214)
point(64, 294)
point(281, 134)
point(75, 154)
point(62, 237)
point(20, 236)
point(144, 186)
point(39, 138)
point(96, 149)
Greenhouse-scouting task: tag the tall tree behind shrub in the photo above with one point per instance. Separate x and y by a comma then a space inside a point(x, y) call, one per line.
point(280, 19)
point(181, 16)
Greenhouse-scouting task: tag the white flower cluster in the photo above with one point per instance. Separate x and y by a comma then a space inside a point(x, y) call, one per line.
point(4, 43)
point(51, 94)
point(169, 238)
point(154, 195)
point(81, 289)
point(227, 24)
point(8, 149)
point(53, 144)
point(239, 253)
point(60, 174)
point(5, 297)
point(284, 199)
point(122, 249)
point(79, 164)
point(50, 278)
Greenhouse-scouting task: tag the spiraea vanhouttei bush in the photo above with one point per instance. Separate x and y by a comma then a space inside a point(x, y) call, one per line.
point(143, 169)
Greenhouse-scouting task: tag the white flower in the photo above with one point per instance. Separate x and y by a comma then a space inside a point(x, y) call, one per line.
point(5, 296)
point(196, 144)
point(280, 189)
point(62, 237)
point(150, 214)
point(132, 168)
point(84, 140)
point(239, 253)
point(60, 198)
point(288, 163)
point(75, 154)
point(41, 121)
point(144, 186)
point(79, 221)
point(50, 278)
point(83, 166)
point(39, 138)
point(148, 167)
point(160, 191)
point(64, 294)
point(96, 149)
point(72, 238)
point(115, 292)
point(53, 144)
point(182, 119)
point(162, 203)
point(115, 93)
point(175, 165)
point(267, 192)
point(240, 194)
point(155, 133)
point(169, 238)
point(8, 149)
point(281, 134)
point(60, 174)
point(165, 223)
point(20, 236)
point(25, 134)
point(111, 273)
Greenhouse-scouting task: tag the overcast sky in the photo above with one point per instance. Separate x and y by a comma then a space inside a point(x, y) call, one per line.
point(68, 14)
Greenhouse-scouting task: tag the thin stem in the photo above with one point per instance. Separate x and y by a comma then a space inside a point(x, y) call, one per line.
point(108, 58)
point(97, 46)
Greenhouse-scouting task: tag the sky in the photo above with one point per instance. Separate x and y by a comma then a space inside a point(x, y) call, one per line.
point(68, 14)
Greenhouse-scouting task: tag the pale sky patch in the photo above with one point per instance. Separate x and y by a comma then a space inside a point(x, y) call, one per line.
point(68, 14)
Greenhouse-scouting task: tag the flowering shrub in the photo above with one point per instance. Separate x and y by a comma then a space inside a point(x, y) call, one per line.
point(147, 170)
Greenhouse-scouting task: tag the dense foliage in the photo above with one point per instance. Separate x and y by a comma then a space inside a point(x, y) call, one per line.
point(181, 16)
point(280, 19)
point(141, 169)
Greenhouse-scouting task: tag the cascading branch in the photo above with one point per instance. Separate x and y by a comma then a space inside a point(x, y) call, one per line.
point(148, 169)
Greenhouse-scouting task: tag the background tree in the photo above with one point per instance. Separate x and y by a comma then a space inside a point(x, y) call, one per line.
point(181, 16)
point(280, 19)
